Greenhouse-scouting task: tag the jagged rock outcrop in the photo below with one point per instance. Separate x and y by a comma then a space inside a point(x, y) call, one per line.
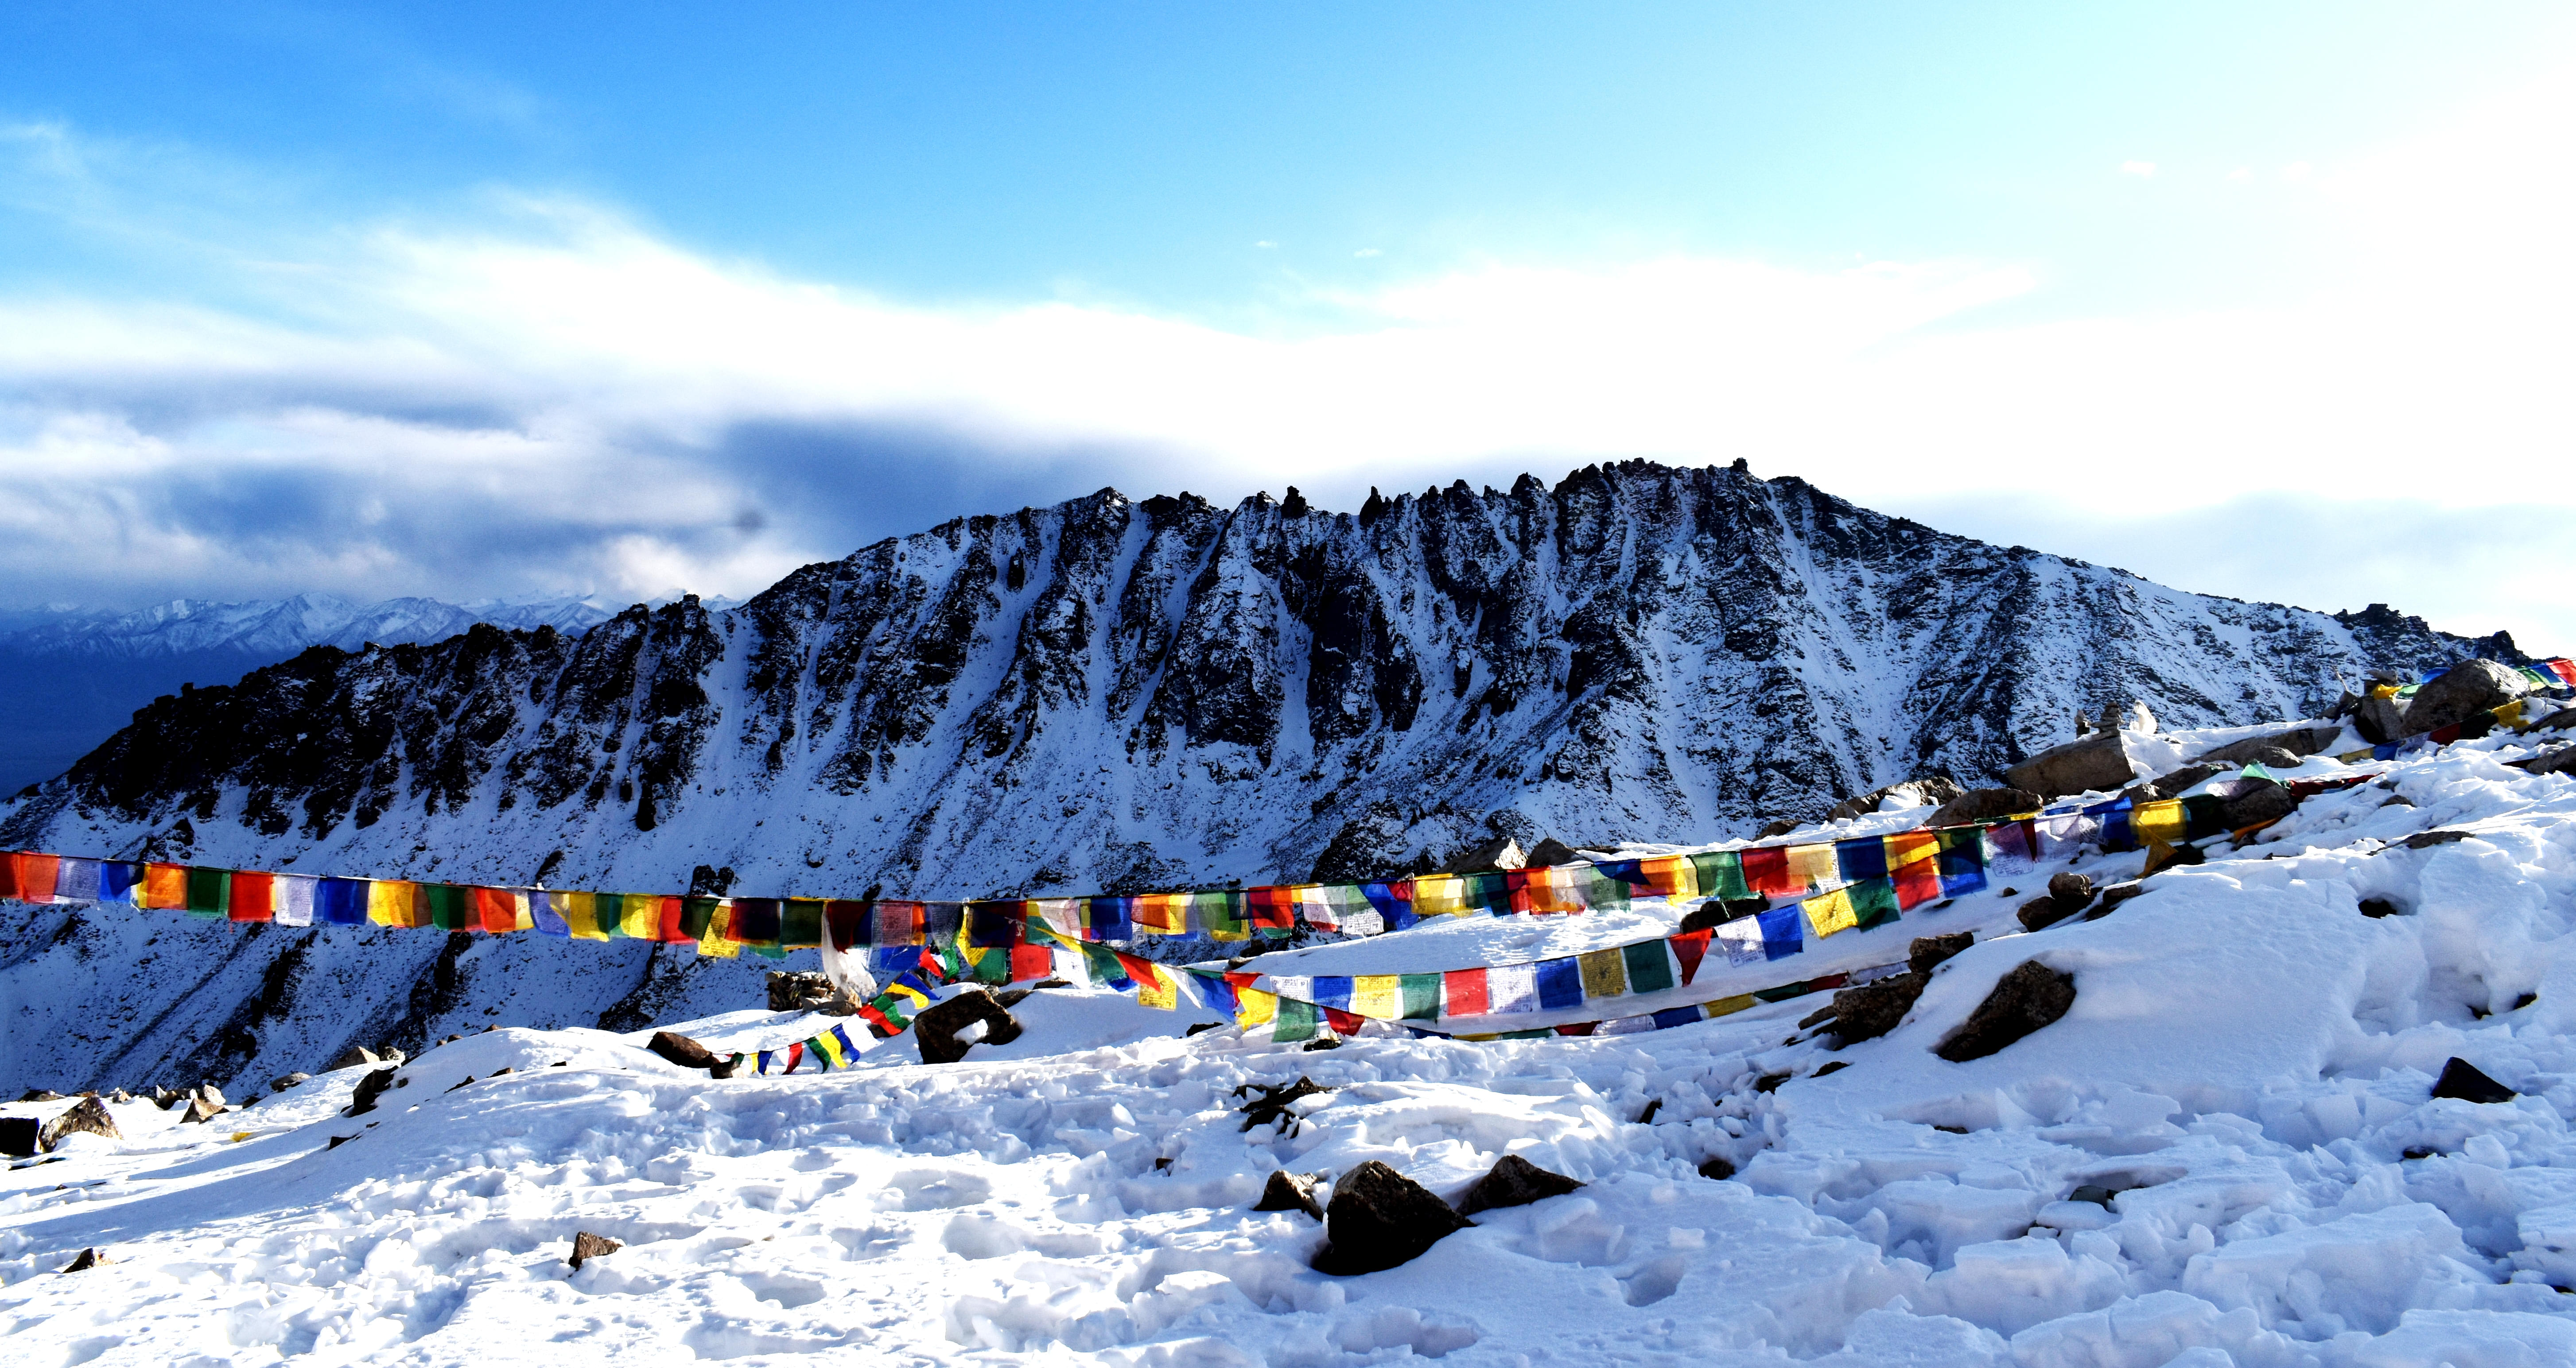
point(1125, 694)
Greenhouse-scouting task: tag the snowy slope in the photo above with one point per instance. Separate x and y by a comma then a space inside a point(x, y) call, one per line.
point(2246, 1066)
point(1114, 694)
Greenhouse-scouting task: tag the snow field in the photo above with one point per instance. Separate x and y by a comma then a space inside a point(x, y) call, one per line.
point(2245, 1073)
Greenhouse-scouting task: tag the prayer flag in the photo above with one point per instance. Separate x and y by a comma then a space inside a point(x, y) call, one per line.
point(1962, 861)
point(1742, 940)
point(1913, 859)
point(1272, 908)
point(1672, 877)
point(1512, 988)
point(1560, 983)
point(1766, 871)
point(1377, 995)
point(1648, 969)
point(1862, 858)
point(30, 878)
point(248, 898)
point(1421, 996)
point(757, 923)
point(499, 910)
point(1720, 875)
point(1255, 1007)
point(1830, 913)
point(390, 903)
point(1463, 991)
point(1329, 990)
point(165, 886)
point(1689, 949)
point(449, 907)
point(1218, 913)
point(1293, 1020)
point(1162, 914)
point(1812, 867)
point(1110, 919)
point(1604, 974)
point(207, 890)
point(340, 902)
point(2158, 823)
point(1393, 902)
point(1217, 993)
point(1439, 895)
point(77, 880)
point(1781, 936)
point(992, 924)
point(1339, 907)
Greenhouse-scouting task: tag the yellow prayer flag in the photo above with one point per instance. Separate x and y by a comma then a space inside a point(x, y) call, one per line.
point(580, 913)
point(1254, 1007)
point(2158, 823)
point(639, 915)
point(165, 886)
point(718, 940)
point(1831, 913)
point(1163, 914)
point(1159, 990)
point(831, 1050)
point(390, 902)
point(1728, 1006)
point(1814, 866)
point(1378, 995)
point(1439, 895)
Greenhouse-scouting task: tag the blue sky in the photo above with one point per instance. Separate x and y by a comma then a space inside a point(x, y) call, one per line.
point(297, 296)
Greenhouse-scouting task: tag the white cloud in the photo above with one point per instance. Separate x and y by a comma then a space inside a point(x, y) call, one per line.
point(576, 392)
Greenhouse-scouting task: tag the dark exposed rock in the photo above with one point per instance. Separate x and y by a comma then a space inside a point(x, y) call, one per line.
point(1831, 1066)
point(2172, 785)
point(1290, 1192)
point(2559, 761)
point(938, 1028)
point(356, 1056)
point(2461, 692)
point(1984, 805)
point(21, 1136)
point(681, 1050)
point(88, 1117)
point(285, 1081)
point(1929, 791)
point(2041, 912)
point(2378, 907)
point(809, 992)
point(2073, 891)
point(2465, 1081)
point(2426, 840)
point(1551, 851)
point(1781, 827)
point(370, 1088)
point(2380, 720)
point(2099, 762)
point(2023, 1001)
point(86, 1260)
point(40, 1095)
point(2115, 895)
point(2296, 744)
point(1502, 852)
point(1716, 1168)
point(199, 1112)
point(1873, 1009)
point(1274, 1102)
point(1928, 952)
point(586, 1247)
point(1513, 1181)
point(2256, 804)
point(1379, 1219)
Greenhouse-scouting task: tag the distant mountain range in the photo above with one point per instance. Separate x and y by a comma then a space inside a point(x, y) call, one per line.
point(69, 679)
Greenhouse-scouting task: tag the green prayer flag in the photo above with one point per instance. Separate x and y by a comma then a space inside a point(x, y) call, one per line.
point(449, 908)
point(1650, 967)
point(1721, 875)
point(209, 891)
point(1873, 903)
point(800, 922)
point(1296, 1021)
point(696, 914)
point(1421, 996)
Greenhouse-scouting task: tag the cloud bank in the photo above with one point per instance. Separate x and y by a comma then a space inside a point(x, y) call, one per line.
point(545, 395)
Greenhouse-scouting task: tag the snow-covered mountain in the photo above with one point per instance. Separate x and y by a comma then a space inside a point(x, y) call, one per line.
point(1119, 694)
point(69, 678)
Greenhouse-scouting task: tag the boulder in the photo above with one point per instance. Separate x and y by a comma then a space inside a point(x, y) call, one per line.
point(88, 1259)
point(2380, 720)
point(89, 1117)
point(2297, 743)
point(681, 1050)
point(2458, 693)
point(1929, 791)
point(356, 1056)
point(2559, 761)
point(199, 1112)
point(21, 1136)
point(371, 1087)
point(586, 1247)
point(1551, 851)
point(211, 1095)
point(387, 1054)
point(2259, 802)
point(1379, 1219)
point(2172, 785)
point(1716, 1168)
point(810, 992)
point(1782, 827)
point(2072, 890)
point(1984, 805)
point(1873, 1009)
point(1928, 952)
point(1275, 1103)
point(936, 1029)
point(40, 1095)
point(2465, 1081)
point(1513, 1181)
point(2115, 895)
point(2023, 1001)
point(1290, 1192)
point(2099, 762)
point(2041, 913)
point(1502, 852)
point(285, 1081)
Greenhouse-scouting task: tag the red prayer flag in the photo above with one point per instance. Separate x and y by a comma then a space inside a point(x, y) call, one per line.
point(1463, 993)
point(1766, 871)
point(1271, 907)
point(249, 900)
point(498, 909)
point(670, 922)
point(1688, 950)
point(29, 878)
point(1343, 1023)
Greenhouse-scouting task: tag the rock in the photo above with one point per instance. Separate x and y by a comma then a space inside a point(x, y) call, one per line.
point(586, 1247)
point(40, 1095)
point(89, 1117)
point(2040, 913)
point(285, 1081)
point(2172, 785)
point(937, 1029)
point(1873, 1009)
point(1929, 791)
point(2426, 840)
point(211, 1095)
point(163, 1097)
point(2139, 719)
point(2461, 692)
point(810, 992)
point(2099, 762)
point(1716, 1169)
point(356, 1056)
point(1929, 951)
point(728, 1067)
point(2380, 720)
point(2297, 744)
point(120, 1097)
point(2163, 857)
point(2463, 1080)
point(1289, 1192)
point(1274, 1103)
point(1513, 1181)
point(1984, 805)
point(199, 1112)
point(1781, 827)
point(370, 1088)
point(1379, 1219)
point(2259, 803)
point(21, 1136)
point(2557, 721)
point(2559, 761)
point(2023, 1001)
point(88, 1259)
point(2072, 890)
point(2378, 907)
point(2115, 895)
point(387, 1054)
point(1718, 912)
point(681, 1050)
point(1502, 852)
point(1551, 851)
